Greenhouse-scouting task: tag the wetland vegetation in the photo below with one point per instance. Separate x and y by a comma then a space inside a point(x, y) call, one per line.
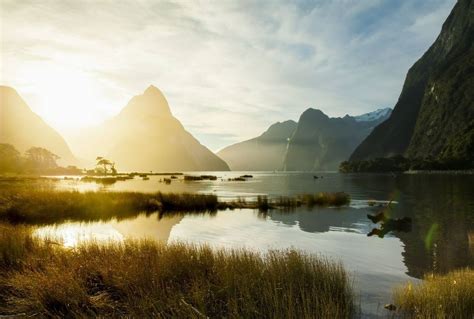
point(147, 278)
point(40, 206)
point(438, 296)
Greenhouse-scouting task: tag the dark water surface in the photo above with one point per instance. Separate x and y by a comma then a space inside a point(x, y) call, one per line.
point(441, 239)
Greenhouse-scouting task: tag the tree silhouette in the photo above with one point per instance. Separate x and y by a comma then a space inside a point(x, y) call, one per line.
point(40, 158)
point(10, 158)
point(104, 163)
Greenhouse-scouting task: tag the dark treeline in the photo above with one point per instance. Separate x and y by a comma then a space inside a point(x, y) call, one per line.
point(402, 164)
point(35, 160)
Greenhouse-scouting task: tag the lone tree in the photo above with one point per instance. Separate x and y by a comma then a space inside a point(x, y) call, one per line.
point(104, 163)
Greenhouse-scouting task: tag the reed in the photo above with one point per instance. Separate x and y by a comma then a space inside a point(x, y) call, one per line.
point(45, 206)
point(50, 206)
point(150, 279)
point(438, 296)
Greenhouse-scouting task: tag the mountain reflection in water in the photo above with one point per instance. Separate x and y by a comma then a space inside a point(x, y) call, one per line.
point(441, 208)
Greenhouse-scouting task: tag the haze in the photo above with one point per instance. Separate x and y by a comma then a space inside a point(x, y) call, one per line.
point(78, 63)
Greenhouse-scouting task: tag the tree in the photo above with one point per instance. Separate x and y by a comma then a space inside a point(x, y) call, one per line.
point(39, 158)
point(10, 159)
point(113, 169)
point(104, 163)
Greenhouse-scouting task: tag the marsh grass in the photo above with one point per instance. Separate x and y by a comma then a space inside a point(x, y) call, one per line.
point(51, 206)
point(149, 279)
point(336, 199)
point(438, 296)
point(45, 206)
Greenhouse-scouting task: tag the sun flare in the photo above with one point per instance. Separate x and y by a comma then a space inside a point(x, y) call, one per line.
point(70, 98)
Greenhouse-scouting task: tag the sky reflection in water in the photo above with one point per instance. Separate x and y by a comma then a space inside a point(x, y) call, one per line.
point(440, 206)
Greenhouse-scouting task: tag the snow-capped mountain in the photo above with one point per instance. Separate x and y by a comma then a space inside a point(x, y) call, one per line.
point(375, 115)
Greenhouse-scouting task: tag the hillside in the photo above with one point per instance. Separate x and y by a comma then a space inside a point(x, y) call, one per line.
point(434, 115)
point(145, 136)
point(262, 153)
point(22, 128)
point(321, 142)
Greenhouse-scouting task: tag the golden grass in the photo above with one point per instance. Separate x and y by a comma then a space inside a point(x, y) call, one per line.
point(46, 205)
point(438, 296)
point(51, 206)
point(149, 279)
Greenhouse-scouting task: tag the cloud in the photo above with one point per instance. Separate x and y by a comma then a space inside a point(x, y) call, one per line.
point(229, 69)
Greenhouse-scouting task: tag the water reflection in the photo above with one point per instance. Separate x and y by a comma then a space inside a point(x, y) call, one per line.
point(440, 206)
point(442, 210)
point(441, 239)
point(141, 227)
point(325, 219)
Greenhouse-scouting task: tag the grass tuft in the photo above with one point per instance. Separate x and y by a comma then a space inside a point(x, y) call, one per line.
point(150, 279)
point(438, 296)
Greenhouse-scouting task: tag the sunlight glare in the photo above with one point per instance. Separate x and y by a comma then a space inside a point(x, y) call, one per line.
point(72, 234)
point(69, 97)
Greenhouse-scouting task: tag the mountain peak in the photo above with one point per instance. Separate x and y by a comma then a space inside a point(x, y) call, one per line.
point(280, 130)
point(151, 103)
point(7, 88)
point(15, 115)
point(311, 115)
point(152, 90)
point(374, 115)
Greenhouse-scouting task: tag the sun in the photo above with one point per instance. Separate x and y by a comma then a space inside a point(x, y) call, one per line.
point(66, 98)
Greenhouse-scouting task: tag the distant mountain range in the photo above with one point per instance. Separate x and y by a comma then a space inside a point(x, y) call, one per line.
point(434, 115)
point(145, 136)
point(263, 153)
point(22, 128)
point(433, 119)
point(374, 116)
point(316, 142)
point(322, 143)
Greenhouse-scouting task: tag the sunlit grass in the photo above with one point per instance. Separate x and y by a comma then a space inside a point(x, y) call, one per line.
point(50, 206)
point(149, 279)
point(43, 206)
point(439, 296)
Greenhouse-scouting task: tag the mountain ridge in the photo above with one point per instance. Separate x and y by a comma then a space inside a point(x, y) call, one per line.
point(321, 142)
point(23, 128)
point(434, 115)
point(268, 151)
point(146, 136)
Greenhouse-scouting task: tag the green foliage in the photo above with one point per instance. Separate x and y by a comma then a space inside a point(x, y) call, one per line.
point(391, 164)
point(402, 164)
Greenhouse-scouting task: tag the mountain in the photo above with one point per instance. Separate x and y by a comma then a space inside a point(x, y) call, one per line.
point(373, 116)
point(145, 136)
point(321, 142)
point(22, 128)
point(262, 153)
point(434, 115)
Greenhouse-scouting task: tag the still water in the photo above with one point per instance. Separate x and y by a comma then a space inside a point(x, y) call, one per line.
point(441, 239)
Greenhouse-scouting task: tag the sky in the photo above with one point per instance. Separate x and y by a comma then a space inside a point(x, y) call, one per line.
point(229, 69)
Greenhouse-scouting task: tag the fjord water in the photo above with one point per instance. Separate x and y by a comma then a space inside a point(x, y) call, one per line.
point(441, 207)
